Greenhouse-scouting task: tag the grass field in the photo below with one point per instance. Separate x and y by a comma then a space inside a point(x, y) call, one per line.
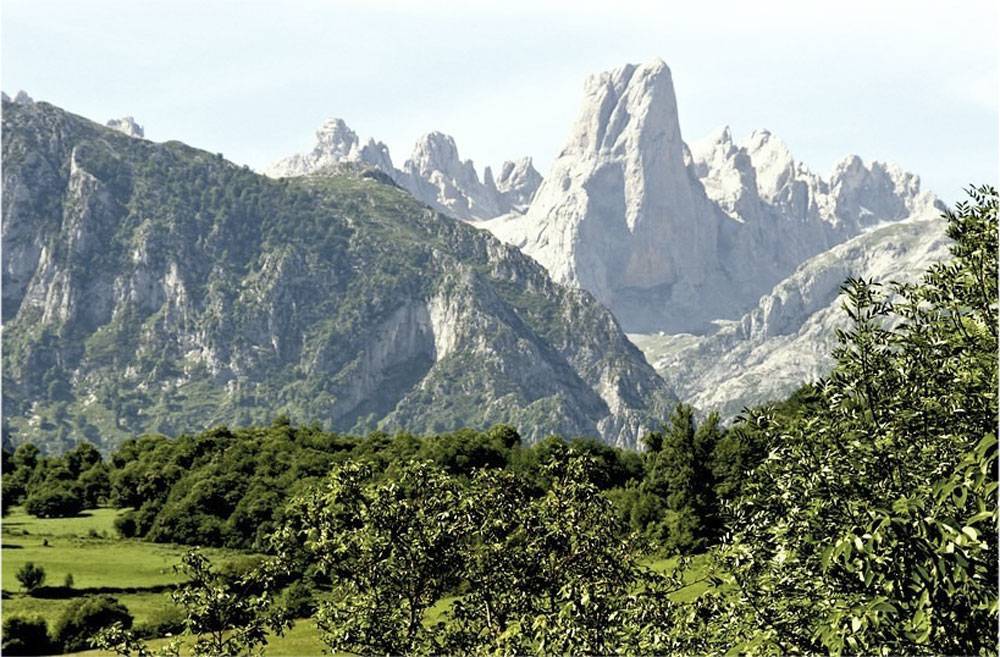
point(137, 573)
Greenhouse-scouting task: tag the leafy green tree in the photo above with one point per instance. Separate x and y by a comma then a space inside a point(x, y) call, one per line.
point(81, 458)
point(392, 548)
point(80, 623)
point(228, 615)
point(553, 574)
point(298, 599)
point(95, 485)
point(26, 457)
point(679, 476)
point(53, 499)
point(870, 527)
point(30, 576)
point(25, 636)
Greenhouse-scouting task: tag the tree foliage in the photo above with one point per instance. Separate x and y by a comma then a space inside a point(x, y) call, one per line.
point(870, 526)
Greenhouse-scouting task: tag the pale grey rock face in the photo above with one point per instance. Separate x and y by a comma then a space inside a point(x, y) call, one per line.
point(336, 143)
point(517, 183)
point(787, 338)
point(621, 215)
point(672, 237)
point(435, 173)
point(127, 125)
point(22, 98)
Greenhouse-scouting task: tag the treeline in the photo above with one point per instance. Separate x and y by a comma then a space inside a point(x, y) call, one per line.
point(229, 487)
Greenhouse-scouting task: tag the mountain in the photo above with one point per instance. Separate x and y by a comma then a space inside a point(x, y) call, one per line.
point(787, 339)
point(434, 174)
point(157, 287)
point(673, 237)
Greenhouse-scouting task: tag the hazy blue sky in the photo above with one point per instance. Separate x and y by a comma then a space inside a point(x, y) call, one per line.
point(912, 82)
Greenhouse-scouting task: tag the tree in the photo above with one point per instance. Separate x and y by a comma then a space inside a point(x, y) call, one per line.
point(229, 615)
point(25, 636)
point(392, 548)
point(26, 456)
point(80, 623)
point(95, 485)
point(83, 457)
point(679, 476)
point(554, 574)
point(30, 576)
point(870, 527)
point(53, 499)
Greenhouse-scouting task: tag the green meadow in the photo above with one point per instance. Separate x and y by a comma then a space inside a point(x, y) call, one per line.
point(138, 573)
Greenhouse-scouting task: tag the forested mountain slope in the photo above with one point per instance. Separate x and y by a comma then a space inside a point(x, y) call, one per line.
point(157, 287)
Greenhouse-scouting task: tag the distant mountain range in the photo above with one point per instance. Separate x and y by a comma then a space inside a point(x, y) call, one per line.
point(684, 242)
point(156, 287)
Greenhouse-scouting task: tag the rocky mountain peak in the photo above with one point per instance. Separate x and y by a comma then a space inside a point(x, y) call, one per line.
point(127, 125)
point(772, 161)
point(608, 215)
point(673, 237)
point(517, 183)
point(22, 98)
point(727, 174)
point(316, 277)
point(435, 151)
point(377, 155)
point(626, 106)
point(335, 139)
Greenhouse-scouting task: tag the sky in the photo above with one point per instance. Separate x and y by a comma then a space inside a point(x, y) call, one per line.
point(912, 82)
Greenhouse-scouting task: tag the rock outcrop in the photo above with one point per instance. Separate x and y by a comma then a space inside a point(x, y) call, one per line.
point(127, 125)
point(435, 173)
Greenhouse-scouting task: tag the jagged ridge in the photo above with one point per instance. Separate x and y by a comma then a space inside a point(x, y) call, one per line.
point(434, 173)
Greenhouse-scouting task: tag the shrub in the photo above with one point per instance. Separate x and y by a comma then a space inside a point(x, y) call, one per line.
point(80, 623)
point(163, 622)
point(298, 600)
point(25, 636)
point(30, 576)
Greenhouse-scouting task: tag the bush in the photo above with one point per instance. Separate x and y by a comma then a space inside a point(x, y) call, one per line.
point(298, 600)
point(25, 636)
point(163, 622)
point(30, 576)
point(126, 525)
point(80, 623)
point(53, 502)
